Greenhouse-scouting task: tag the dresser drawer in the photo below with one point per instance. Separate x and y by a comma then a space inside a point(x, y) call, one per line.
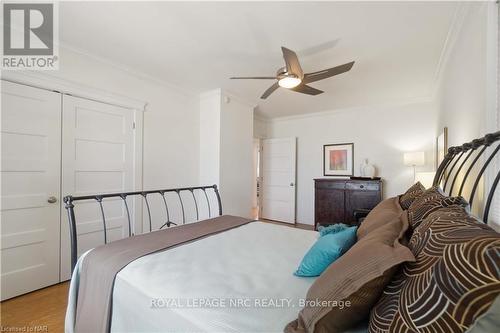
point(330, 185)
point(363, 186)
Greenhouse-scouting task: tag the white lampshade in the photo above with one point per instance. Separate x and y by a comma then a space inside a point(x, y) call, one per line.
point(425, 178)
point(416, 158)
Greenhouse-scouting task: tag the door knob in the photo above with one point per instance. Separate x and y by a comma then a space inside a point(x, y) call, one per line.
point(52, 199)
point(291, 184)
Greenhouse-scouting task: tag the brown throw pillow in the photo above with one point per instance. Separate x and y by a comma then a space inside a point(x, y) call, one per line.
point(409, 196)
point(454, 280)
point(385, 211)
point(432, 200)
point(358, 277)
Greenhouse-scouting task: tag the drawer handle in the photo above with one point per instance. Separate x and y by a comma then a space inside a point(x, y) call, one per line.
point(361, 186)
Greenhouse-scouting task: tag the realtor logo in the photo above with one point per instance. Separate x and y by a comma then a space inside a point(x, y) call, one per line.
point(29, 33)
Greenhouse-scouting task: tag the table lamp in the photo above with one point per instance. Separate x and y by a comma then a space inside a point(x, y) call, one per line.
point(414, 159)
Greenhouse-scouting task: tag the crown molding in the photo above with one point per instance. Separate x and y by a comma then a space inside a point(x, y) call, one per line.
point(238, 98)
point(219, 92)
point(126, 69)
point(44, 80)
point(210, 93)
point(409, 101)
point(261, 118)
point(453, 32)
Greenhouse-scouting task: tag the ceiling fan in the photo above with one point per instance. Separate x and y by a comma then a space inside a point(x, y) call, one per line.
point(292, 77)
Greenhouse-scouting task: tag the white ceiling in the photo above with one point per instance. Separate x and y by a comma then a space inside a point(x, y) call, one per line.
point(198, 46)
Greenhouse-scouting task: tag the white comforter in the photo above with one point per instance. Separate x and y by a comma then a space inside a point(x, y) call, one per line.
point(240, 280)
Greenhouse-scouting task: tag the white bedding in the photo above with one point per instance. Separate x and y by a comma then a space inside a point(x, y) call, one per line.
point(252, 264)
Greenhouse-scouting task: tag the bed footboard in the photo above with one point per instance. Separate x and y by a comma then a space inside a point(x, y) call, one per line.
point(99, 198)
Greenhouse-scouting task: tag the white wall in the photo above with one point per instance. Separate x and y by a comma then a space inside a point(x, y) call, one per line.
point(171, 121)
point(260, 127)
point(170, 127)
point(210, 127)
point(236, 163)
point(467, 88)
point(226, 149)
point(381, 134)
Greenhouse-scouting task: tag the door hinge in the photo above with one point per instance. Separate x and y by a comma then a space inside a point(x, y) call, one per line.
point(133, 125)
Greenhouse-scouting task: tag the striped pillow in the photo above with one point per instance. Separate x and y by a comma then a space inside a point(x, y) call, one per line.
point(453, 281)
point(430, 201)
point(358, 277)
point(409, 196)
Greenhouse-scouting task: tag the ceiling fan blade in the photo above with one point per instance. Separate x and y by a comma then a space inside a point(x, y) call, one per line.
point(270, 90)
point(324, 74)
point(305, 89)
point(253, 78)
point(292, 62)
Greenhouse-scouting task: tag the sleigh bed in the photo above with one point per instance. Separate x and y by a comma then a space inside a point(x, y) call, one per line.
point(220, 273)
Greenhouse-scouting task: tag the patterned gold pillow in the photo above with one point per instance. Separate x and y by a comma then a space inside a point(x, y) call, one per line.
point(409, 196)
point(430, 201)
point(453, 281)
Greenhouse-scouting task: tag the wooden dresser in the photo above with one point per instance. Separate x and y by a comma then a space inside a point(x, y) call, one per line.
point(335, 200)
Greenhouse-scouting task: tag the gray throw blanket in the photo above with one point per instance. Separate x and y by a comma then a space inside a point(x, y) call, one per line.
point(100, 266)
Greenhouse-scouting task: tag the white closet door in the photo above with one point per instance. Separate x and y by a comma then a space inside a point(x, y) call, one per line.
point(30, 175)
point(98, 157)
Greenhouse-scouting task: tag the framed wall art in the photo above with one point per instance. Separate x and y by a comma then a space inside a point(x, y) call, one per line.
point(441, 146)
point(338, 159)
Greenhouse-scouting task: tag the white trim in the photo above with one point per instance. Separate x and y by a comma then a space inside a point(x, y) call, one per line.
point(449, 43)
point(210, 93)
point(126, 69)
point(224, 93)
point(138, 171)
point(233, 96)
point(260, 117)
point(409, 101)
point(491, 68)
point(492, 102)
point(47, 81)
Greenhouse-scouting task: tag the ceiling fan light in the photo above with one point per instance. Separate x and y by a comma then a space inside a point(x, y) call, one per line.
point(289, 82)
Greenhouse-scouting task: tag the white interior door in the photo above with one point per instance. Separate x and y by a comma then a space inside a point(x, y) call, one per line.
point(98, 157)
point(278, 179)
point(30, 175)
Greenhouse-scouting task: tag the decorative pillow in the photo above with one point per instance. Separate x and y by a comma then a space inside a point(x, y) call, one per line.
point(385, 211)
point(453, 281)
point(332, 229)
point(415, 191)
point(432, 200)
point(326, 250)
point(355, 280)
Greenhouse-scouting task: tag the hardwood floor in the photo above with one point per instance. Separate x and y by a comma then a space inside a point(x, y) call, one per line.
point(39, 311)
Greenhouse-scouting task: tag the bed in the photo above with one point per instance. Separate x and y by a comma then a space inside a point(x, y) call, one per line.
point(232, 278)
point(222, 270)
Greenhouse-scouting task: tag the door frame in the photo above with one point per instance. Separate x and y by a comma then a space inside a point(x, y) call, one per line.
point(257, 178)
point(43, 80)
